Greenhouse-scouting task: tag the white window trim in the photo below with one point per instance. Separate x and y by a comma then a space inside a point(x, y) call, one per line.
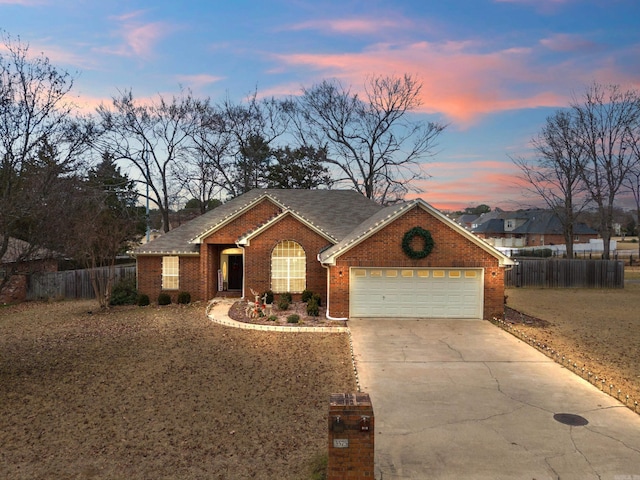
point(170, 273)
point(287, 262)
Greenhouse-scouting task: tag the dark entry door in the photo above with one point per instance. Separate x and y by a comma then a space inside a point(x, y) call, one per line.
point(235, 272)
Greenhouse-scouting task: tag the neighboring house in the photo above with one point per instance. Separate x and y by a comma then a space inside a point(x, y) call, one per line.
point(527, 228)
point(336, 243)
point(17, 264)
point(467, 220)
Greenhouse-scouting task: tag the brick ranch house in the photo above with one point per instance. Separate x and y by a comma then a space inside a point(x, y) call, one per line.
point(336, 243)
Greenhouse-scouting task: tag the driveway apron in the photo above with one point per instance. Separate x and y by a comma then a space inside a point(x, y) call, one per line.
point(463, 399)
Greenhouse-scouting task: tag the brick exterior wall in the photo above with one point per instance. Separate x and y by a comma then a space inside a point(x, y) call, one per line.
point(258, 256)
point(149, 272)
point(384, 249)
point(198, 273)
point(189, 278)
point(149, 275)
point(226, 237)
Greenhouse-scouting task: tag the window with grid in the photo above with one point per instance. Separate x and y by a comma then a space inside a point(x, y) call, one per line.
point(170, 273)
point(288, 268)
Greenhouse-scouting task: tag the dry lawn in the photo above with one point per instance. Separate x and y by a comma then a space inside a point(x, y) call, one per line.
point(161, 393)
point(596, 329)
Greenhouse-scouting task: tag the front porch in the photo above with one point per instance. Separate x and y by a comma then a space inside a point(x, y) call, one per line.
point(223, 269)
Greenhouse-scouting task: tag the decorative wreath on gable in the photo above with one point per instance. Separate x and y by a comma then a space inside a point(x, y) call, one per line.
point(408, 239)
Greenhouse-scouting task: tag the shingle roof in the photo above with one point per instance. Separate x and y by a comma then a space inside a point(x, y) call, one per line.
point(388, 214)
point(546, 222)
point(336, 212)
point(366, 227)
point(535, 221)
point(493, 225)
point(333, 212)
point(467, 218)
point(21, 251)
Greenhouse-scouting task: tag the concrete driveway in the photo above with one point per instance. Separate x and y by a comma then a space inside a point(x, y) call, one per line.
point(462, 399)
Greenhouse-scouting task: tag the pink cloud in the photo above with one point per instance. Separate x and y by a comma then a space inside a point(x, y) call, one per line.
point(57, 55)
point(63, 56)
point(142, 38)
point(489, 182)
point(459, 80)
point(87, 104)
point(198, 81)
point(139, 38)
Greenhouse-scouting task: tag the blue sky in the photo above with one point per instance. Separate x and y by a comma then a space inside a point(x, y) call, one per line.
point(491, 69)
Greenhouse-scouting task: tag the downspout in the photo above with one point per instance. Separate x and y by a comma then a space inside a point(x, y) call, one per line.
point(329, 317)
point(243, 268)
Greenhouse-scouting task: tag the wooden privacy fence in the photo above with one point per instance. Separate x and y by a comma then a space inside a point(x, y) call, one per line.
point(554, 273)
point(72, 283)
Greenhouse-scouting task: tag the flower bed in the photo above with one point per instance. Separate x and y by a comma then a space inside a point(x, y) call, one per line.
point(238, 312)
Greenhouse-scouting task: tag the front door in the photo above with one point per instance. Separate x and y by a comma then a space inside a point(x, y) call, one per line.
point(235, 272)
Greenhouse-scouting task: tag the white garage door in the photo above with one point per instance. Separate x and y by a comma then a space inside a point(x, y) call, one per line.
point(434, 293)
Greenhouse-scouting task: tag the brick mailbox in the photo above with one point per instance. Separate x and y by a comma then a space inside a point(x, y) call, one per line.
point(351, 433)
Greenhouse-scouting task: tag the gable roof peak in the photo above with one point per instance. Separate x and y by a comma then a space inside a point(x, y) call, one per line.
point(389, 214)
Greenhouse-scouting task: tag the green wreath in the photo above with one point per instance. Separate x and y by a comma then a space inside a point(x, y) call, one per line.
point(408, 238)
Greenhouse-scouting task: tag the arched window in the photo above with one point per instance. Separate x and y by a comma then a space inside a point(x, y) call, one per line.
point(288, 268)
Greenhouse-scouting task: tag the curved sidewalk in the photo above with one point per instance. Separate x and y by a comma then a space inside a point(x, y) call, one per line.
point(218, 312)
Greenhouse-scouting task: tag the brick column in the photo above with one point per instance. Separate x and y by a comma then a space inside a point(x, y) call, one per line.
point(351, 433)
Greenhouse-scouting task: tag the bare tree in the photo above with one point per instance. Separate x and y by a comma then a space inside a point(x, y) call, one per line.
point(605, 118)
point(152, 138)
point(206, 174)
point(41, 143)
point(253, 126)
point(554, 174)
point(231, 151)
point(371, 140)
point(632, 180)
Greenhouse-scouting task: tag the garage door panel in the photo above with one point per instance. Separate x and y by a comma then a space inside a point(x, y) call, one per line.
point(437, 293)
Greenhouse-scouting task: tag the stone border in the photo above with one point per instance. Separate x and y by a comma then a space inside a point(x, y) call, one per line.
point(218, 309)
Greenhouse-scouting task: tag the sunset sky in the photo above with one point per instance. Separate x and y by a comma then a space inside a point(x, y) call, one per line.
point(491, 69)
